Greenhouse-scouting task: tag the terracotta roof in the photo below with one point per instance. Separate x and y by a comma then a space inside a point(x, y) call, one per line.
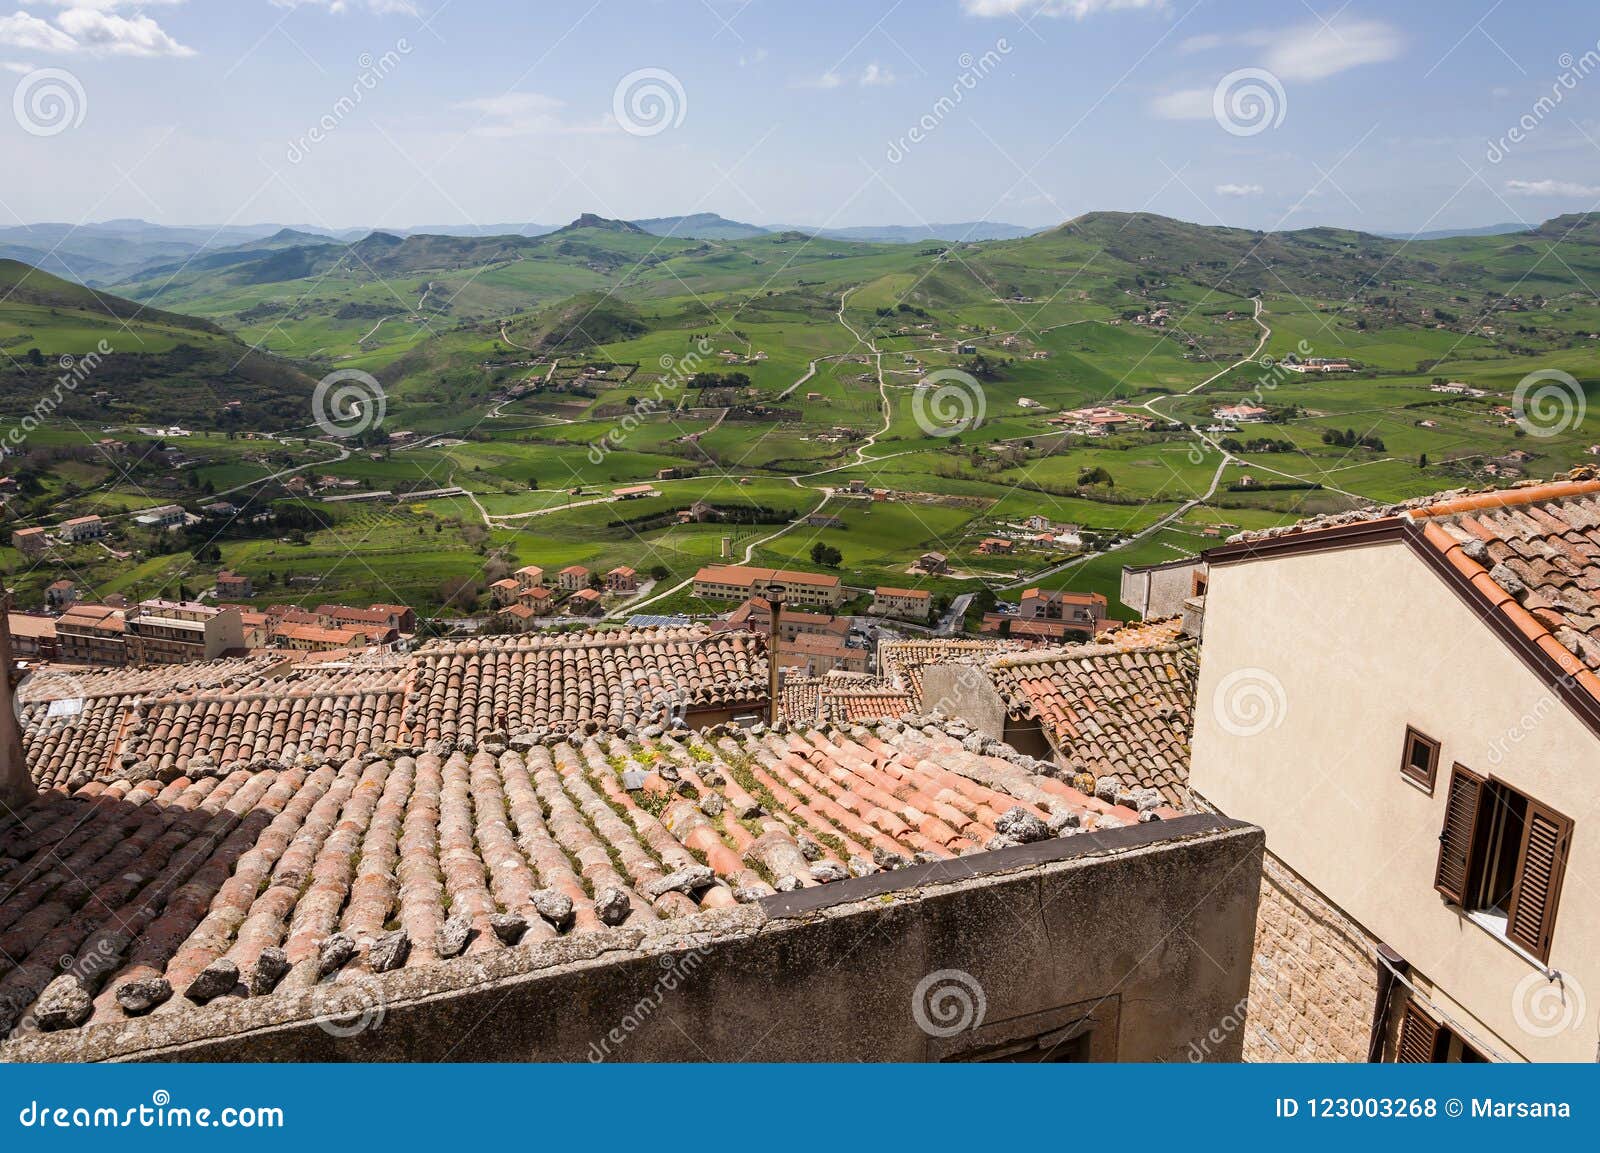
point(886, 591)
point(902, 662)
point(283, 710)
point(744, 575)
point(842, 697)
point(1113, 709)
point(281, 878)
point(1532, 553)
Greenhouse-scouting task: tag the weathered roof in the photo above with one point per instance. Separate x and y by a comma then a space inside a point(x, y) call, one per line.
point(277, 710)
point(1530, 554)
point(1122, 707)
point(902, 662)
point(277, 879)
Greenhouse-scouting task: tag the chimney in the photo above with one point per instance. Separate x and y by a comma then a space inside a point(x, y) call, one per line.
point(774, 699)
point(16, 786)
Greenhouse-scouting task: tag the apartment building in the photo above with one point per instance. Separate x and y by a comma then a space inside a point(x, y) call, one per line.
point(738, 582)
point(907, 604)
point(162, 632)
point(91, 635)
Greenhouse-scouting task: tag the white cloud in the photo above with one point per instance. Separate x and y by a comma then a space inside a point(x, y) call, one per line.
point(92, 27)
point(1318, 50)
point(1550, 188)
point(106, 33)
point(826, 80)
point(876, 76)
point(24, 31)
point(1077, 9)
point(339, 7)
point(1184, 104)
point(1239, 190)
point(16, 67)
point(525, 114)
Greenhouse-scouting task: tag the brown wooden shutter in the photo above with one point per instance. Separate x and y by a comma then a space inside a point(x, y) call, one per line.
point(1419, 1036)
point(1540, 865)
point(1459, 832)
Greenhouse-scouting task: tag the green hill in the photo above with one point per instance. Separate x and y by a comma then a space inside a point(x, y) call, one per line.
point(102, 358)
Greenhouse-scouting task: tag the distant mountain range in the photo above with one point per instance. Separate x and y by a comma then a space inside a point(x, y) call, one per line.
point(1451, 233)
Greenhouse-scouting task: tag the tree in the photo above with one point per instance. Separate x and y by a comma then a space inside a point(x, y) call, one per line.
point(1422, 460)
point(533, 484)
point(659, 572)
point(826, 555)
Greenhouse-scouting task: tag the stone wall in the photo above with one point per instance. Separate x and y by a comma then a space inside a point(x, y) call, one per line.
point(1314, 978)
point(1127, 944)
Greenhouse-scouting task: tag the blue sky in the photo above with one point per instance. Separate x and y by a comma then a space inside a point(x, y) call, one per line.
point(1382, 116)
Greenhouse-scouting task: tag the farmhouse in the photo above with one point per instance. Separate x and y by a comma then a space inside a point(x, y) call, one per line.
point(635, 492)
point(234, 586)
point(1240, 413)
point(29, 541)
point(82, 528)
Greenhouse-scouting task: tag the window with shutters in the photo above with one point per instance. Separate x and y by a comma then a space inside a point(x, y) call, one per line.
point(1419, 764)
point(1426, 1041)
point(1502, 856)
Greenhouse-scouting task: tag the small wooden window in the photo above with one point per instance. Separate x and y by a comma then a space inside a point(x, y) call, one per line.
point(1426, 1041)
point(1419, 1037)
point(1420, 763)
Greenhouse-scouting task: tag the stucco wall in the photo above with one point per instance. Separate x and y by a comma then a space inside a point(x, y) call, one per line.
point(1142, 941)
point(1312, 667)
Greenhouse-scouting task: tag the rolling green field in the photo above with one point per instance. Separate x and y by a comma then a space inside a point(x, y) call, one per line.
point(765, 376)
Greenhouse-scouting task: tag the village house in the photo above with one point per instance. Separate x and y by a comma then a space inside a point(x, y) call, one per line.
point(82, 528)
point(540, 601)
point(29, 541)
point(504, 592)
point(92, 635)
point(232, 586)
point(178, 632)
point(573, 578)
point(622, 579)
point(520, 617)
point(1419, 759)
point(1240, 413)
point(907, 604)
point(33, 637)
point(586, 602)
point(161, 517)
point(308, 638)
point(529, 577)
point(934, 563)
point(996, 546)
point(755, 615)
point(815, 655)
point(60, 594)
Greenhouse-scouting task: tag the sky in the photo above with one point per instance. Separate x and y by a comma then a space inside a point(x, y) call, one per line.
point(403, 113)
